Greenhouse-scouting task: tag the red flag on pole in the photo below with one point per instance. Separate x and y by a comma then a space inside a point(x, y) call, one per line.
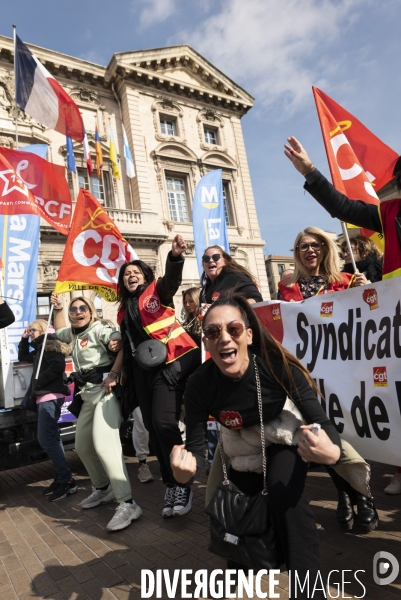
point(94, 252)
point(346, 170)
point(376, 158)
point(31, 185)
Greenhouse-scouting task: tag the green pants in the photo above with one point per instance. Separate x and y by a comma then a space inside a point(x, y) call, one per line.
point(97, 441)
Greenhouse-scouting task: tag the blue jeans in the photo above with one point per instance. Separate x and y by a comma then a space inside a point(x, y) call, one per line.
point(49, 437)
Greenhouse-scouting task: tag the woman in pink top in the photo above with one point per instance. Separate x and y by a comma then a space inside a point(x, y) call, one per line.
point(46, 395)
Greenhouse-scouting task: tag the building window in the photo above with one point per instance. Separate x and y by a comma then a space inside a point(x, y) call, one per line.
point(177, 199)
point(280, 268)
point(271, 288)
point(168, 126)
point(210, 136)
point(292, 266)
point(227, 204)
point(98, 186)
point(268, 271)
point(42, 306)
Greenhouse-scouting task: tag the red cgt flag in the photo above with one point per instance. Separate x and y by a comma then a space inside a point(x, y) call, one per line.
point(31, 185)
point(94, 252)
point(376, 158)
point(346, 170)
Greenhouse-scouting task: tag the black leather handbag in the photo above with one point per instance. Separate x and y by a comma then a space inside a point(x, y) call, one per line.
point(150, 353)
point(241, 528)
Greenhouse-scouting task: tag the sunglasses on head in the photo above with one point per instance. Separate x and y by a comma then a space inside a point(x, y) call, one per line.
point(83, 308)
point(234, 330)
point(207, 259)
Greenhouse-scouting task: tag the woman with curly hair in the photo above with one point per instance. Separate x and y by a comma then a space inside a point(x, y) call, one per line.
point(367, 256)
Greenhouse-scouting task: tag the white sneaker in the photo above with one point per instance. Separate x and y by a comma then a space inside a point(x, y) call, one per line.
point(97, 497)
point(394, 487)
point(125, 513)
point(183, 500)
point(144, 474)
point(169, 500)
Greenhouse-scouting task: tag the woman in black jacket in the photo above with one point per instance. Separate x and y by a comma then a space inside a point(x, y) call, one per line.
point(146, 311)
point(222, 275)
point(46, 395)
point(367, 256)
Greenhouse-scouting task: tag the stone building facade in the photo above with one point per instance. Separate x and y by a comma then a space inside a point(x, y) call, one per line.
point(182, 117)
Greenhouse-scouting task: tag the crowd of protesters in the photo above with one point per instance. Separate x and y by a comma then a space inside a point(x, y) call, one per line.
point(111, 383)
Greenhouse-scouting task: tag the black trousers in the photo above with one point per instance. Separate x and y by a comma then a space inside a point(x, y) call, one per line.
point(160, 405)
point(292, 516)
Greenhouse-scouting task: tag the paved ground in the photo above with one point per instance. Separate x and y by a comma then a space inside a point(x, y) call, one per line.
point(57, 551)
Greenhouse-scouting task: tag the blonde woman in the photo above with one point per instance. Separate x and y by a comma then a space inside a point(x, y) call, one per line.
point(191, 304)
point(97, 439)
point(316, 268)
point(46, 395)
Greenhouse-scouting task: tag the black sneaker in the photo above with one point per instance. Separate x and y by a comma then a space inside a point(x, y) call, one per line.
point(183, 500)
point(50, 488)
point(63, 490)
point(169, 501)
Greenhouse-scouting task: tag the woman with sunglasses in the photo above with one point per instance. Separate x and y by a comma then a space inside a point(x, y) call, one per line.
point(97, 439)
point(317, 272)
point(222, 274)
point(242, 352)
point(46, 395)
point(146, 311)
point(317, 268)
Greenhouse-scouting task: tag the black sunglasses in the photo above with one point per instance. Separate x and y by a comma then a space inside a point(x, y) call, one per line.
point(234, 330)
point(83, 308)
point(207, 259)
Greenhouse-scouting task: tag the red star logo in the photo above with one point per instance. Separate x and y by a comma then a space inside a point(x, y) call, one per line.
point(12, 182)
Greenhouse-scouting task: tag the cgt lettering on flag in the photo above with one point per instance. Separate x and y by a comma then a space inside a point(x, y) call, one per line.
point(326, 309)
point(371, 298)
point(95, 251)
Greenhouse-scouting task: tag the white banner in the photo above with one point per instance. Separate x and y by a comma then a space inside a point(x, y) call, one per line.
point(350, 342)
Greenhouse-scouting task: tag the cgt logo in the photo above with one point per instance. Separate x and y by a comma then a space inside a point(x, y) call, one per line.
point(326, 310)
point(151, 304)
point(231, 419)
point(380, 377)
point(371, 298)
point(385, 568)
point(276, 313)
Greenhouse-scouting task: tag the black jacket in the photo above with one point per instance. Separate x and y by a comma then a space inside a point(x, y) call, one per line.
point(6, 315)
point(371, 266)
point(229, 282)
point(51, 376)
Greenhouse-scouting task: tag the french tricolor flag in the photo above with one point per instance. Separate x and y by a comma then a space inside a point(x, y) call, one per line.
point(42, 97)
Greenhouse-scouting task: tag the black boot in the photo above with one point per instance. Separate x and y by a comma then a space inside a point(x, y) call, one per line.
point(367, 518)
point(345, 512)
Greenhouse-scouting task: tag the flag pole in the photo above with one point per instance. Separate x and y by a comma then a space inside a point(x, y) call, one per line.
point(345, 232)
point(15, 85)
point(44, 341)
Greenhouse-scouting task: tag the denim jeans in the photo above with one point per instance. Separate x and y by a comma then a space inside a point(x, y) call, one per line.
point(49, 437)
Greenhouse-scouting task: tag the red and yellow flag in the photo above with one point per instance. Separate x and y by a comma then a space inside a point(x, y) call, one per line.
point(94, 252)
point(359, 162)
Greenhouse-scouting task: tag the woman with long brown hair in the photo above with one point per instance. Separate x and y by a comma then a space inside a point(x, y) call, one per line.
point(243, 353)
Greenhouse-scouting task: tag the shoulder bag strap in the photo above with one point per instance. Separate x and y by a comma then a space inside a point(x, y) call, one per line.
point(131, 343)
